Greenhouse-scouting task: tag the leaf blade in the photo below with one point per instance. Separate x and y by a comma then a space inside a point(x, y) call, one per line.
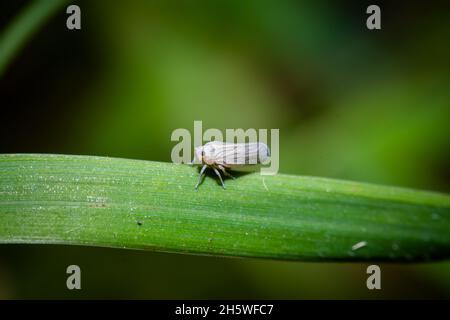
point(150, 205)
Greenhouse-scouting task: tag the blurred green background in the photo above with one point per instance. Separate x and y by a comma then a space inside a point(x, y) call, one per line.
point(350, 103)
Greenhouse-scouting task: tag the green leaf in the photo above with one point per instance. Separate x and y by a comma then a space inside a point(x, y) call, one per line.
point(134, 204)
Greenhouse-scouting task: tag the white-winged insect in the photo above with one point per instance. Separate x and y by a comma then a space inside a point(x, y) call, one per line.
point(221, 156)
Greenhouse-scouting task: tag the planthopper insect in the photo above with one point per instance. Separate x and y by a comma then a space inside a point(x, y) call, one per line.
point(221, 156)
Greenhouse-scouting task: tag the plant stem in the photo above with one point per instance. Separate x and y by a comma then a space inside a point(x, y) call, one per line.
point(14, 37)
point(135, 204)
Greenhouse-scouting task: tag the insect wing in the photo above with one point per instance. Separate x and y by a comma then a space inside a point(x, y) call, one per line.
point(240, 154)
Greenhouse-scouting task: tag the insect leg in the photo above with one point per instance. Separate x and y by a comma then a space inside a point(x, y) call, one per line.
point(225, 172)
point(218, 173)
point(200, 176)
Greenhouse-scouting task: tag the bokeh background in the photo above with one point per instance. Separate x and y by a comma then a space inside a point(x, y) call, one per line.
point(350, 103)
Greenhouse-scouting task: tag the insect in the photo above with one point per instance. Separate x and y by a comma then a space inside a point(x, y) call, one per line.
point(222, 156)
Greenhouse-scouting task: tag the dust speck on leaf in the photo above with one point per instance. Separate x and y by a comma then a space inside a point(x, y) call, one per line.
point(359, 245)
